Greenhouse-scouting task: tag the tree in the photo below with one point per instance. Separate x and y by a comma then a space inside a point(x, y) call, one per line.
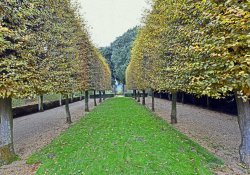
point(222, 58)
point(45, 48)
point(18, 76)
point(199, 47)
point(100, 74)
point(65, 51)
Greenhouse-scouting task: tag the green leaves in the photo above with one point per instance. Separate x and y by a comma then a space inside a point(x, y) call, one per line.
point(45, 47)
point(200, 47)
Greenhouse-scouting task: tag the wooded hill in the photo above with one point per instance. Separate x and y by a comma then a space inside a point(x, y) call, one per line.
point(118, 54)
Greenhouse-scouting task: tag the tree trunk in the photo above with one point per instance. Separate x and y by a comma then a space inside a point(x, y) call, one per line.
point(100, 96)
point(134, 94)
point(194, 100)
point(173, 111)
point(95, 98)
point(104, 95)
point(183, 97)
point(160, 95)
point(7, 153)
point(60, 100)
point(169, 97)
point(86, 101)
point(153, 100)
point(40, 103)
point(143, 97)
point(80, 96)
point(115, 90)
point(72, 97)
point(244, 124)
point(68, 116)
point(138, 96)
point(123, 89)
point(208, 102)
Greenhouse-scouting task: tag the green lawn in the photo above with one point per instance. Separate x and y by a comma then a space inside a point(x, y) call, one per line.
point(122, 137)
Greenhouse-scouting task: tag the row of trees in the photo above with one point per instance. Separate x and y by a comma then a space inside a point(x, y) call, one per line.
point(44, 48)
point(198, 47)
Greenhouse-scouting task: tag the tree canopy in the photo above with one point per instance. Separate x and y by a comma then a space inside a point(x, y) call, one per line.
point(198, 47)
point(44, 48)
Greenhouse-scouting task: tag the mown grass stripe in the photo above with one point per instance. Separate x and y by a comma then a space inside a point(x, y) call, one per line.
point(122, 137)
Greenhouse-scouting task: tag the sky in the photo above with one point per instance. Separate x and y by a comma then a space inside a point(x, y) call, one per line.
point(108, 19)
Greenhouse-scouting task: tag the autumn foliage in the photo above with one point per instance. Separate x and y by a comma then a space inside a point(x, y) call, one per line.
point(46, 48)
point(198, 47)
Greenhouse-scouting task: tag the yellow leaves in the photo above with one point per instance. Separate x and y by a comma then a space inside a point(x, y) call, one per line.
point(193, 44)
point(246, 90)
point(248, 59)
point(196, 48)
point(4, 30)
point(29, 68)
point(241, 73)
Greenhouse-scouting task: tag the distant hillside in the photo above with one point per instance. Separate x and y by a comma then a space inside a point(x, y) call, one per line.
point(118, 54)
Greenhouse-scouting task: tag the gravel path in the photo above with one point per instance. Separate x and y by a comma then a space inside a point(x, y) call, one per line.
point(35, 131)
point(217, 132)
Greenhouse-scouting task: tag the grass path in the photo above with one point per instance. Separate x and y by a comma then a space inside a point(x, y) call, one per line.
point(123, 137)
